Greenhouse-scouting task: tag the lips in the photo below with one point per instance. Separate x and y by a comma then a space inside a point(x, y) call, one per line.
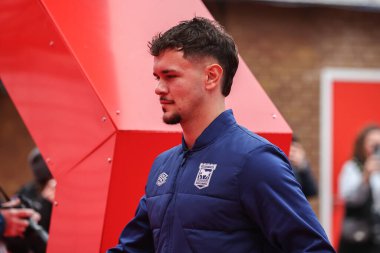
point(165, 101)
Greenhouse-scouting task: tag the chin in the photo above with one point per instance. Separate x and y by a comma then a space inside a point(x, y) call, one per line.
point(172, 119)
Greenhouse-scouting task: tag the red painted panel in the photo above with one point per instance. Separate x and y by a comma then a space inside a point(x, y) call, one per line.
point(78, 218)
point(355, 105)
point(53, 96)
point(118, 33)
point(281, 140)
point(134, 154)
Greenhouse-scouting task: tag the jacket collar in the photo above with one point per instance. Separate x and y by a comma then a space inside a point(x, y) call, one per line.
point(215, 129)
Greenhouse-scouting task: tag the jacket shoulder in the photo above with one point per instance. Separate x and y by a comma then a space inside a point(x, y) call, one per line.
point(259, 156)
point(164, 158)
point(167, 154)
point(251, 141)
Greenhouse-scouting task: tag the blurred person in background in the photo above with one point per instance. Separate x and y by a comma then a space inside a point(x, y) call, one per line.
point(302, 169)
point(359, 186)
point(39, 195)
point(41, 191)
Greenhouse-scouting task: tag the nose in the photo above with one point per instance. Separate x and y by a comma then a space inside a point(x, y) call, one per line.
point(161, 88)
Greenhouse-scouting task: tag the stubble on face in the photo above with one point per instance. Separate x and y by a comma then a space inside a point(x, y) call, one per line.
point(172, 119)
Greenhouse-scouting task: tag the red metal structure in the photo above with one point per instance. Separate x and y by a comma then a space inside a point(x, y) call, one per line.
point(79, 73)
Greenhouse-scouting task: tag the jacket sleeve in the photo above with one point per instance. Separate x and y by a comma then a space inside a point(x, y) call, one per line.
point(137, 235)
point(274, 201)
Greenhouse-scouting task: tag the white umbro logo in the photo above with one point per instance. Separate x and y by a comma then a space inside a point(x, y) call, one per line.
point(204, 175)
point(162, 179)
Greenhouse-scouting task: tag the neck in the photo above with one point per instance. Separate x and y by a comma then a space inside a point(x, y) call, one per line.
point(194, 127)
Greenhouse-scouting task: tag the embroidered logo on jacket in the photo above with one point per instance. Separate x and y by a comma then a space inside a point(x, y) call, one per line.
point(204, 175)
point(162, 179)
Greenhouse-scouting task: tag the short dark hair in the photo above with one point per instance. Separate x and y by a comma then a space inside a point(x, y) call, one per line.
point(201, 37)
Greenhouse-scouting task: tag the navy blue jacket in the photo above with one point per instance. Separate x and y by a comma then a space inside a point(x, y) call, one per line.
point(232, 192)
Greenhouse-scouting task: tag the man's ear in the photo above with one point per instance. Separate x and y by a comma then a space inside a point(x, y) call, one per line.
point(214, 73)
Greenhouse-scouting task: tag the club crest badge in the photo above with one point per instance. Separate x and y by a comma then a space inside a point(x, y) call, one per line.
point(162, 179)
point(204, 175)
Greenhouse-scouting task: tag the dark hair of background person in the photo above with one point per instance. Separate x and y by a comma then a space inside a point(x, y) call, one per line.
point(40, 170)
point(201, 37)
point(359, 154)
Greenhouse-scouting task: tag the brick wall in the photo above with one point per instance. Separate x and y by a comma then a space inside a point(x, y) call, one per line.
point(15, 144)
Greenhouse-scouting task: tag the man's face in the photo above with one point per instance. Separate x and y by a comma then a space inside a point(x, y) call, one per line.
point(180, 85)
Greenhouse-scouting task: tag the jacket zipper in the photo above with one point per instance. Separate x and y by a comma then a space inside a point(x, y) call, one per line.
point(178, 176)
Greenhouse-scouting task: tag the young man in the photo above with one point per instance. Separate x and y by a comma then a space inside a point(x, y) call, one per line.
point(302, 170)
point(224, 189)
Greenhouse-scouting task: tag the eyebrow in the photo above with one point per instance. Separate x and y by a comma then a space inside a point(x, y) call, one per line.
point(166, 71)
